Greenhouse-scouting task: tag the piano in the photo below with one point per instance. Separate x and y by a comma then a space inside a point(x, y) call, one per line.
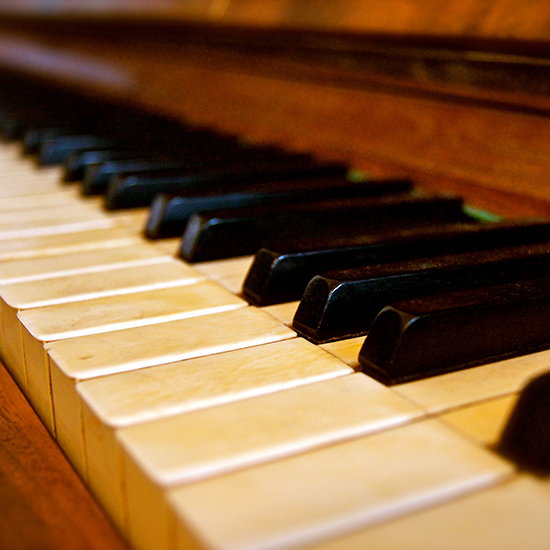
point(454, 97)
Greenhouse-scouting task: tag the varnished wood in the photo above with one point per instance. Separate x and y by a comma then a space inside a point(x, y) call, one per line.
point(62, 516)
point(490, 18)
point(490, 142)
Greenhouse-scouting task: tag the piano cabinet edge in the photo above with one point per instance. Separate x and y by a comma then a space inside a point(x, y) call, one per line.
point(43, 502)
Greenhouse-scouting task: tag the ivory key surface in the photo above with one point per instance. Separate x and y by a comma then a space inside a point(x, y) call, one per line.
point(51, 245)
point(138, 396)
point(483, 421)
point(164, 272)
point(347, 350)
point(66, 196)
point(283, 312)
point(46, 324)
point(91, 356)
point(329, 492)
point(229, 273)
point(134, 397)
point(191, 447)
point(75, 263)
point(452, 390)
point(36, 213)
point(514, 514)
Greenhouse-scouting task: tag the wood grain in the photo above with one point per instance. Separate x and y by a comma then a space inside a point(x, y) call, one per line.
point(492, 145)
point(43, 503)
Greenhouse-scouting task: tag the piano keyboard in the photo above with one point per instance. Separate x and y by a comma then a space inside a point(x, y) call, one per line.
point(200, 421)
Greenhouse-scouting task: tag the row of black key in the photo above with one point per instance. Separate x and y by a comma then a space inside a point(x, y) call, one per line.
point(230, 199)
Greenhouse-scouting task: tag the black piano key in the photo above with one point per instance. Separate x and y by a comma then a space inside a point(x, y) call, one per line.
point(423, 337)
point(228, 233)
point(164, 164)
point(277, 277)
point(169, 214)
point(525, 439)
point(47, 128)
point(97, 178)
point(57, 150)
point(137, 191)
point(11, 128)
point(76, 165)
point(35, 136)
point(342, 304)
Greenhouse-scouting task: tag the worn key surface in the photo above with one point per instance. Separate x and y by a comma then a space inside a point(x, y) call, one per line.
point(326, 493)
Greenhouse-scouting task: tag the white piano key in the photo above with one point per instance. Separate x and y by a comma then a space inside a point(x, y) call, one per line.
point(138, 396)
point(330, 492)
point(346, 350)
point(23, 182)
point(283, 312)
point(46, 324)
point(483, 421)
point(229, 273)
point(51, 245)
point(511, 515)
point(36, 213)
point(456, 389)
point(134, 397)
point(70, 225)
point(75, 263)
point(191, 447)
point(191, 298)
point(87, 357)
point(65, 196)
point(164, 272)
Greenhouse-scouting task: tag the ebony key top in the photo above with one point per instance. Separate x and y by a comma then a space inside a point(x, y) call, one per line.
point(277, 277)
point(169, 214)
point(78, 163)
point(57, 150)
point(342, 304)
point(238, 232)
point(423, 337)
point(135, 191)
point(124, 181)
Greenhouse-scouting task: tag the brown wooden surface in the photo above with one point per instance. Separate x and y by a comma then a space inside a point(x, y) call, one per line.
point(503, 18)
point(476, 140)
point(506, 19)
point(43, 503)
point(456, 132)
